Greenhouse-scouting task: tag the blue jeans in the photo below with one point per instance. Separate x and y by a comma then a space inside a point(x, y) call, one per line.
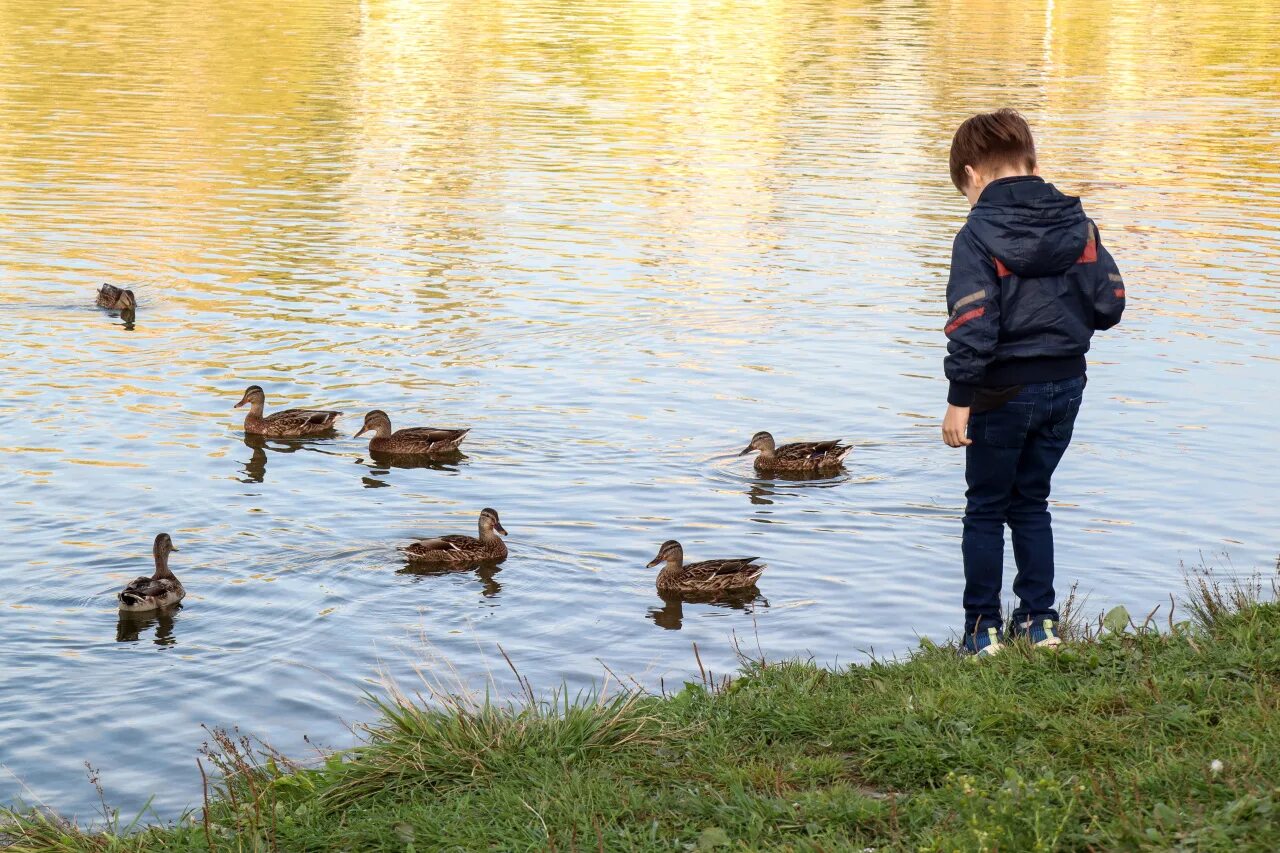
point(1015, 450)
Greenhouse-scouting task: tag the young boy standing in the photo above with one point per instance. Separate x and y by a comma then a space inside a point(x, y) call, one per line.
point(1030, 283)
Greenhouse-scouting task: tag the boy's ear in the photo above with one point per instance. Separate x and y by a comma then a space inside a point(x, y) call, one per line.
point(971, 173)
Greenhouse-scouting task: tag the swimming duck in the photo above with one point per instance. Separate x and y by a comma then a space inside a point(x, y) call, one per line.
point(456, 548)
point(116, 298)
point(291, 423)
point(161, 589)
point(801, 456)
point(413, 441)
point(706, 577)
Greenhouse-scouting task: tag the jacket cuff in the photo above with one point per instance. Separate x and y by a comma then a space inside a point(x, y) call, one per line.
point(961, 394)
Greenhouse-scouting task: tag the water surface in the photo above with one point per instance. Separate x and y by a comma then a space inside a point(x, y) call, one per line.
point(614, 240)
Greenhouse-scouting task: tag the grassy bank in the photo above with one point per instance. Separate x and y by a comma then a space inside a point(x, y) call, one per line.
point(1136, 739)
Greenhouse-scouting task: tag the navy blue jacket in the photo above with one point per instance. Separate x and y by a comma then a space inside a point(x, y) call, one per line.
point(1030, 283)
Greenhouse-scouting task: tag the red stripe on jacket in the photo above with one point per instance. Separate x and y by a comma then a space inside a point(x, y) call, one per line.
point(964, 318)
point(1001, 269)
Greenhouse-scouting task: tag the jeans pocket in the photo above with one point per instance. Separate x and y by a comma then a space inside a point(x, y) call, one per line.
point(1065, 426)
point(1006, 426)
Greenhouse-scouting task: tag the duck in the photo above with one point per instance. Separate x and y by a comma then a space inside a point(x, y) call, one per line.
point(161, 589)
point(116, 298)
point(708, 576)
point(291, 423)
point(412, 441)
point(809, 456)
point(456, 548)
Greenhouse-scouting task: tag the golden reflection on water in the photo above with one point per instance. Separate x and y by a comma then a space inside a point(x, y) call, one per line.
point(615, 238)
point(269, 143)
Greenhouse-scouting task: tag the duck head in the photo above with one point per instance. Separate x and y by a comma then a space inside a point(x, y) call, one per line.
point(161, 550)
point(253, 396)
point(670, 553)
point(761, 441)
point(489, 522)
point(376, 422)
point(163, 545)
point(127, 302)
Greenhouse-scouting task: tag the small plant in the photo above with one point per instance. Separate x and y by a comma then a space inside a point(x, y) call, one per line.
point(1211, 596)
point(1031, 815)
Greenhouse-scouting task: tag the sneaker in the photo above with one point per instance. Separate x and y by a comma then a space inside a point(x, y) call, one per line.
point(1042, 634)
point(983, 644)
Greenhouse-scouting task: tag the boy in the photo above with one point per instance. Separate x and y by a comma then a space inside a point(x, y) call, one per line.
point(1030, 283)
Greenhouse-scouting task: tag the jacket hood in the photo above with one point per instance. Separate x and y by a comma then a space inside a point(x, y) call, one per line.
point(1033, 229)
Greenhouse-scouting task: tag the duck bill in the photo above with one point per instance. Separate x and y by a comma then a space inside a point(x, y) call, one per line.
point(243, 400)
point(173, 548)
point(746, 450)
point(361, 432)
point(500, 529)
point(653, 562)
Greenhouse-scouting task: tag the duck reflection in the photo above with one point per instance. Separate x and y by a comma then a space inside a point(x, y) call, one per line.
point(380, 464)
point(485, 572)
point(130, 626)
point(671, 615)
point(255, 469)
point(446, 462)
point(763, 490)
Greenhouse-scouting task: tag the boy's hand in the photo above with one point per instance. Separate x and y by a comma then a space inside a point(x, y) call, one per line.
point(955, 426)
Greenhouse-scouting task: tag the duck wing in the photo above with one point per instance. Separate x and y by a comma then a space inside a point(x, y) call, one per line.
point(109, 295)
point(299, 418)
point(139, 582)
point(813, 450)
point(429, 437)
point(442, 546)
point(146, 588)
point(719, 568)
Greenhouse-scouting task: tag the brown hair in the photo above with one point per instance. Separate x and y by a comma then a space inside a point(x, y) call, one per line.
point(1001, 138)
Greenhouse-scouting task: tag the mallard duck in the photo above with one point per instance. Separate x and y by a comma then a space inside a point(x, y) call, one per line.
point(291, 423)
point(709, 576)
point(115, 298)
point(161, 589)
point(413, 441)
point(801, 456)
point(456, 548)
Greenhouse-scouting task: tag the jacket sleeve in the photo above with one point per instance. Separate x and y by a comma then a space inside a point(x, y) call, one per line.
point(1108, 288)
point(973, 326)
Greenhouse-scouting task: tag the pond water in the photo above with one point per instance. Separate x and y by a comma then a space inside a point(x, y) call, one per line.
point(614, 240)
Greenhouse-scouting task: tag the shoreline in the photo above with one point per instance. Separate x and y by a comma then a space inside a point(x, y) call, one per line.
point(1128, 738)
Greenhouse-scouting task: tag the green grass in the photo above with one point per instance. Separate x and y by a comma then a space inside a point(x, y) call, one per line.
point(1135, 740)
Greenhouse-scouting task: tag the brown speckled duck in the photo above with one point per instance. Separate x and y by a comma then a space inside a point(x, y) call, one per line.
point(116, 298)
point(162, 589)
point(291, 423)
point(412, 441)
point(809, 456)
point(709, 576)
point(456, 548)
